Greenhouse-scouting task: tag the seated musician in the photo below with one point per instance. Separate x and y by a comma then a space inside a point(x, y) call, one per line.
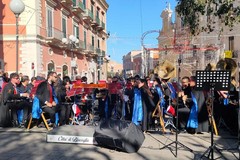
point(203, 119)
point(226, 110)
point(187, 119)
point(47, 97)
point(31, 84)
point(10, 95)
point(65, 102)
point(23, 88)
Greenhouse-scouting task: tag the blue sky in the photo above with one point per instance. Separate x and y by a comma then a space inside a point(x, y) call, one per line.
point(127, 20)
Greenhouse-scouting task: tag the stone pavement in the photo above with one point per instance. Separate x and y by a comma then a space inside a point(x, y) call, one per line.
point(19, 144)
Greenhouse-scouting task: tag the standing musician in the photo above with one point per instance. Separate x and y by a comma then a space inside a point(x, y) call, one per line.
point(115, 108)
point(47, 97)
point(9, 95)
point(65, 102)
point(147, 105)
point(129, 92)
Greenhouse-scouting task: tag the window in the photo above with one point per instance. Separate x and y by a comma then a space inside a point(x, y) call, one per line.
point(85, 39)
point(98, 43)
point(65, 70)
point(64, 26)
point(84, 4)
point(50, 67)
point(92, 40)
point(64, 54)
point(231, 43)
point(49, 22)
point(76, 31)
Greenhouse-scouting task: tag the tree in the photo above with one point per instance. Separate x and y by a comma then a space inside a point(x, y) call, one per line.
point(218, 13)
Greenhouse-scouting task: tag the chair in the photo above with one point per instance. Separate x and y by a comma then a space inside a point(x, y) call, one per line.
point(157, 113)
point(44, 121)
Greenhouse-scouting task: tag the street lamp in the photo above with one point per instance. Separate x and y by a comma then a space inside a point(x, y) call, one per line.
point(17, 7)
point(72, 40)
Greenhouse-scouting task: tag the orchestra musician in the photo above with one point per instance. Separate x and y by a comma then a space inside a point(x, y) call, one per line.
point(129, 92)
point(187, 108)
point(10, 95)
point(47, 97)
point(203, 121)
point(65, 102)
point(147, 105)
point(115, 108)
point(23, 88)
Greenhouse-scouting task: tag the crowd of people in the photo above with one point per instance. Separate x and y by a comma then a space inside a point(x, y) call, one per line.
point(133, 99)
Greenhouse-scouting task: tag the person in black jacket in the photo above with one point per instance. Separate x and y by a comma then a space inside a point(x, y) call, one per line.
point(65, 102)
point(10, 95)
point(147, 104)
point(47, 97)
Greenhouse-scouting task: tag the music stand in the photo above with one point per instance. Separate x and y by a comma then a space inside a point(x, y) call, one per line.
point(212, 81)
point(176, 142)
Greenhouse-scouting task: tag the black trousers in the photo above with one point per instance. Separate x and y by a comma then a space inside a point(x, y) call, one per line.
point(26, 106)
point(51, 112)
point(65, 113)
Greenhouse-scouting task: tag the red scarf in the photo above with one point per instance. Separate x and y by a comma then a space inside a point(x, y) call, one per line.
point(14, 90)
point(50, 93)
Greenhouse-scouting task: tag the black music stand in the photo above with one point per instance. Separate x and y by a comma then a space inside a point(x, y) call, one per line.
point(213, 81)
point(176, 142)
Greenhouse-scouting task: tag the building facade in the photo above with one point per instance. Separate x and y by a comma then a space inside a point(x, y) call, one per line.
point(66, 36)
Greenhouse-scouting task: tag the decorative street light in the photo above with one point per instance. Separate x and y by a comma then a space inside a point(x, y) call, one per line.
point(72, 40)
point(17, 7)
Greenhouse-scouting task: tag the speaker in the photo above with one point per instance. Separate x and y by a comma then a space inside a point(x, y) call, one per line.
point(119, 135)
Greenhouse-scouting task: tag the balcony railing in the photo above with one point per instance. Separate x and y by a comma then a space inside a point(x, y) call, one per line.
point(90, 48)
point(98, 51)
point(88, 15)
point(54, 35)
point(78, 7)
point(82, 45)
point(103, 53)
point(66, 2)
point(103, 25)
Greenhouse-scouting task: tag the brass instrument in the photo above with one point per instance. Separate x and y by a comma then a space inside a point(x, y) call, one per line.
point(210, 115)
point(165, 70)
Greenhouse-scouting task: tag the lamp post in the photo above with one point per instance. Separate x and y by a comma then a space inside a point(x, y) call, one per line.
point(17, 7)
point(72, 41)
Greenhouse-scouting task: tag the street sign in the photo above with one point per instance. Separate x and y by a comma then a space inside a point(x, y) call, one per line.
point(228, 54)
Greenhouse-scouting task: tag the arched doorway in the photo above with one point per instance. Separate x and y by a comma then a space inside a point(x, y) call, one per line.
point(51, 67)
point(65, 70)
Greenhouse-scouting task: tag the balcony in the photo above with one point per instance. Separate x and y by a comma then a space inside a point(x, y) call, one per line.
point(90, 48)
point(66, 3)
point(96, 21)
point(88, 16)
point(103, 53)
point(101, 26)
point(78, 7)
point(98, 51)
point(54, 36)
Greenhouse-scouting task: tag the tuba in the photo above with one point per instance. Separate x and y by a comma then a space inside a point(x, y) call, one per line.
point(227, 64)
point(165, 70)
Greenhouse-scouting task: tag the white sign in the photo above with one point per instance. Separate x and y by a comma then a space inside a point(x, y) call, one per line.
point(70, 139)
point(73, 63)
